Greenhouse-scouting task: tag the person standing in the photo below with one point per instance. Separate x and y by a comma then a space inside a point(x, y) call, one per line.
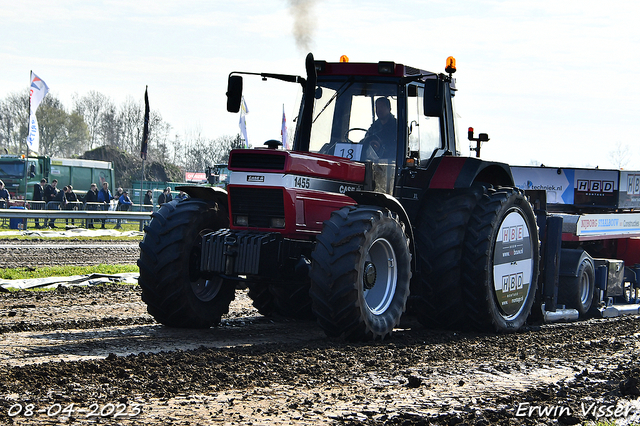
point(50, 191)
point(148, 200)
point(61, 200)
point(90, 198)
point(4, 196)
point(124, 204)
point(38, 197)
point(165, 197)
point(104, 197)
point(72, 202)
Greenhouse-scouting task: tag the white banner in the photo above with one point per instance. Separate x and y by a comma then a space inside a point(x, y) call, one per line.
point(37, 92)
point(243, 122)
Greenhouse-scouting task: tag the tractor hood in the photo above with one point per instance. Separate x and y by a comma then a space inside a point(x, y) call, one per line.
point(298, 163)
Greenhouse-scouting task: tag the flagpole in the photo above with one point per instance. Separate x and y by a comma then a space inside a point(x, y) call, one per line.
point(26, 162)
point(144, 145)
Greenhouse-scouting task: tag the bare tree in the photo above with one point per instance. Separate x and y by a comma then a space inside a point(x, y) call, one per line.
point(620, 156)
point(14, 122)
point(131, 118)
point(92, 108)
point(52, 124)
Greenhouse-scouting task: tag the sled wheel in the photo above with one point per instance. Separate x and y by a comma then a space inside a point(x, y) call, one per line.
point(577, 292)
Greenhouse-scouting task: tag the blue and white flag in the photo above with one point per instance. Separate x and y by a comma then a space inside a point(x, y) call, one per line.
point(37, 92)
point(283, 131)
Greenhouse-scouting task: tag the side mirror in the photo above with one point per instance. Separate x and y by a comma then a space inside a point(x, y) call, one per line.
point(32, 170)
point(433, 98)
point(234, 93)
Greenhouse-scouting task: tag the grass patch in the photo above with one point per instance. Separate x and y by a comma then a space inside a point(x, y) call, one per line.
point(64, 271)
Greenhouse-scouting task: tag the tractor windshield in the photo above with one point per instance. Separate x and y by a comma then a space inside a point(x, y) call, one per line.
point(356, 120)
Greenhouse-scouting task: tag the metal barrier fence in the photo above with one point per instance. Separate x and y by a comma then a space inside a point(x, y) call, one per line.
point(86, 214)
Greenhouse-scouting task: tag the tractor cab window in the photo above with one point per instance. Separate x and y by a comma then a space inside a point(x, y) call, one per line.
point(424, 131)
point(11, 169)
point(356, 120)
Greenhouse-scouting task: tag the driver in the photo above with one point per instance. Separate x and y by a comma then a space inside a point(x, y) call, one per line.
point(383, 132)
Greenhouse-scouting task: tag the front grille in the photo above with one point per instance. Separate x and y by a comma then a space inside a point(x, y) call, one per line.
point(258, 204)
point(254, 161)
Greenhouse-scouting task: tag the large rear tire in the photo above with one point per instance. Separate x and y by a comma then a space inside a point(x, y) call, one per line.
point(442, 222)
point(500, 261)
point(360, 273)
point(169, 263)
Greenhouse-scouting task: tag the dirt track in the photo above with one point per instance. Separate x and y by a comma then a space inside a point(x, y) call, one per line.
point(97, 348)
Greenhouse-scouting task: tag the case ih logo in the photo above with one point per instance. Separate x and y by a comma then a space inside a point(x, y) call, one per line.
point(252, 178)
point(512, 233)
point(595, 186)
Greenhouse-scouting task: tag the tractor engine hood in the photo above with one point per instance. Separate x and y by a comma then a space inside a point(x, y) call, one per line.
point(297, 163)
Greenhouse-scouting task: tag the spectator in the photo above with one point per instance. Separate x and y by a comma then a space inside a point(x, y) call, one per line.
point(38, 197)
point(181, 196)
point(91, 197)
point(165, 197)
point(50, 191)
point(61, 200)
point(124, 204)
point(148, 200)
point(104, 197)
point(72, 202)
point(4, 196)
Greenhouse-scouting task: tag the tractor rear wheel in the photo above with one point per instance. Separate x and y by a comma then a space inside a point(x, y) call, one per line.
point(500, 261)
point(175, 293)
point(442, 222)
point(360, 273)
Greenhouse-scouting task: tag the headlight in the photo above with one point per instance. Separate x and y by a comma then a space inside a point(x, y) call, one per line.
point(277, 222)
point(242, 221)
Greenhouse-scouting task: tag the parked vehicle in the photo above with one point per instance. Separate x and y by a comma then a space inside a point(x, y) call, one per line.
point(17, 172)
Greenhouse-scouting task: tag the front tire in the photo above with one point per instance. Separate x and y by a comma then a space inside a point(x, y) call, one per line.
point(360, 273)
point(501, 260)
point(169, 263)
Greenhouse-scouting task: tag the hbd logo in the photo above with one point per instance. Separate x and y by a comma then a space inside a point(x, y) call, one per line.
point(602, 186)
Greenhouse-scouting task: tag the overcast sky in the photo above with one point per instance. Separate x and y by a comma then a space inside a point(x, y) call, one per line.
point(550, 81)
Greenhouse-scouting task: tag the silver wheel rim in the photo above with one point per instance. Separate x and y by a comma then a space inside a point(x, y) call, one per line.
point(584, 289)
point(206, 290)
point(379, 295)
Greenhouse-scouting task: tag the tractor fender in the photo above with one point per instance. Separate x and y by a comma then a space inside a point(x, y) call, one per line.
point(450, 172)
point(391, 203)
point(208, 193)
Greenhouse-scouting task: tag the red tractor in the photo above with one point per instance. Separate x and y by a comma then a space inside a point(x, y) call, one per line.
point(372, 205)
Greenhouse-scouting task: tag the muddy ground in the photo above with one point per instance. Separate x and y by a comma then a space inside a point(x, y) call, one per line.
point(93, 355)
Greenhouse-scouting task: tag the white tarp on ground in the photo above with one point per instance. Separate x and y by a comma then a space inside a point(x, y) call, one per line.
point(74, 232)
point(75, 280)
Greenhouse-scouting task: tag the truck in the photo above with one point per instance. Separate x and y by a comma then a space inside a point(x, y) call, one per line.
point(375, 214)
point(20, 174)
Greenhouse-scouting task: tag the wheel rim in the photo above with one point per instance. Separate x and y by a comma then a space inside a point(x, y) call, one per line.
point(513, 264)
point(380, 276)
point(206, 290)
point(584, 289)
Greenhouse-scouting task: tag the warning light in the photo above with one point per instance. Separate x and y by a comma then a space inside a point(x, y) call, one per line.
point(470, 134)
point(451, 65)
point(344, 58)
